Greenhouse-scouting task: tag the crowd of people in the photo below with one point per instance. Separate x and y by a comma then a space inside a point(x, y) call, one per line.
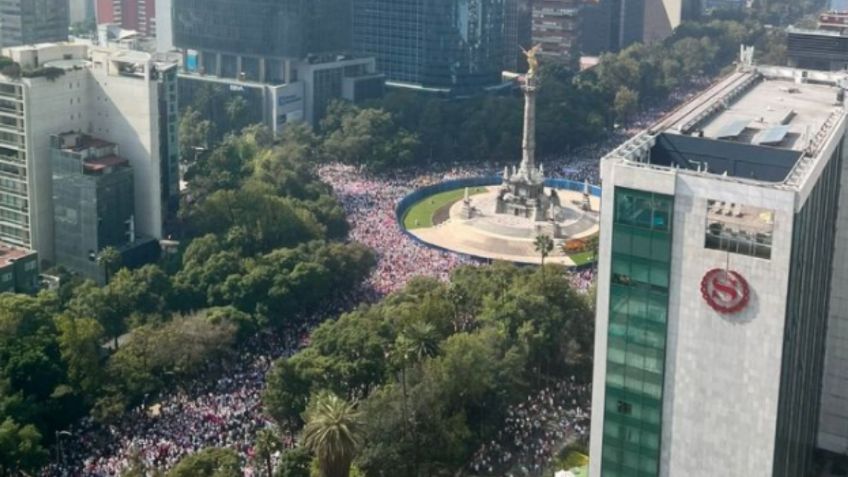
point(535, 430)
point(370, 206)
point(227, 412)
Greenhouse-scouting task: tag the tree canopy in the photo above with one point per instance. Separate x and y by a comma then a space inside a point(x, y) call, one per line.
point(435, 366)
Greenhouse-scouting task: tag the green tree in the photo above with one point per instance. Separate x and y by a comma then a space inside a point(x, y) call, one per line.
point(80, 340)
point(592, 244)
point(369, 137)
point(333, 432)
point(265, 446)
point(194, 135)
point(626, 104)
point(209, 463)
point(236, 110)
point(21, 452)
point(295, 463)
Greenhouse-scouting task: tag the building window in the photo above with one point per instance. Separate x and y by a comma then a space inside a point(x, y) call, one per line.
point(738, 228)
point(638, 312)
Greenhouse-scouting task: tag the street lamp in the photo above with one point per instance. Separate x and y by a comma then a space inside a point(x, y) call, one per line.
point(60, 451)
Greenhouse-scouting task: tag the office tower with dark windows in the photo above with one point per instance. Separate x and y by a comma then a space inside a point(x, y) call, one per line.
point(722, 237)
point(27, 22)
point(250, 37)
point(518, 33)
point(825, 50)
point(266, 52)
point(442, 46)
point(597, 33)
point(120, 96)
point(93, 201)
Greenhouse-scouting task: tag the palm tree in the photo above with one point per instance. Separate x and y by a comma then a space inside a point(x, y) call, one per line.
point(544, 245)
point(110, 259)
point(333, 432)
point(593, 243)
point(423, 341)
point(266, 444)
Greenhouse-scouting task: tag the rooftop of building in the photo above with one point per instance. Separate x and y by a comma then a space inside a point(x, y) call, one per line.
point(763, 124)
point(793, 30)
point(102, 163)
point(9, 255)
point(78, 54)
point(77, 142)
point(752, 108)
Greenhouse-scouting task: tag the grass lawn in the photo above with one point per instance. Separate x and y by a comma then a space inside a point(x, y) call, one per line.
point(582, 258)
point(421, 214)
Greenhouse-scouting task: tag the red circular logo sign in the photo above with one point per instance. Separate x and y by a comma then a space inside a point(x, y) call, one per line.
point(725, 291)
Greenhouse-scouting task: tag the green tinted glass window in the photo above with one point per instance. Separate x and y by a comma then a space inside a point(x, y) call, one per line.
point(637, 333)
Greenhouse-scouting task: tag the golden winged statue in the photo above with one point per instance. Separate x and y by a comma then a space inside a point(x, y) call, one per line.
point(532, 61)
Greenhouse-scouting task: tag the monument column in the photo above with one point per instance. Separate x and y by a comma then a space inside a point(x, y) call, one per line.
point(528, 144)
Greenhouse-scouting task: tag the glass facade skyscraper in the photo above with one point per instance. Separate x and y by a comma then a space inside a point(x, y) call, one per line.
point(454, 46)
point(27, 22)
point(275, 28)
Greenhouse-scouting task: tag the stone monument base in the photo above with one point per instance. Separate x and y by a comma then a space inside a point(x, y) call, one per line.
point(508, 237)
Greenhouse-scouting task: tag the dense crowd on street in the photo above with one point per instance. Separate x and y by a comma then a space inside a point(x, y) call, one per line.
point(226, 411)
point(370, 206)
point(535, 430)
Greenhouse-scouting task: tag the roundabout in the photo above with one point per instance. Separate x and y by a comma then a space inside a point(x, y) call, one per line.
point(446, 217)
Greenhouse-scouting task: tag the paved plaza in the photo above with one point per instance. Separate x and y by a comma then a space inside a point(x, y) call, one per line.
point(505, 237)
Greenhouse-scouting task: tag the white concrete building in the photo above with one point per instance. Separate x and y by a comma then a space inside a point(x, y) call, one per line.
point(164, 27)
point(123, 97)
point(719, 226)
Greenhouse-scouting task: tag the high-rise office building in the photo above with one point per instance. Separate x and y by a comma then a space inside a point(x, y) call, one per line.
point(246, 35)
point(718, 244)
point(138, 15)
point(286, 58)
point(93, 201)
point(556, 27)
point(612, 25)
point(27, 22)
point(518, 33)
point(597, 29)
point(825, 50)
point(446, 46)
point(123, 97)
